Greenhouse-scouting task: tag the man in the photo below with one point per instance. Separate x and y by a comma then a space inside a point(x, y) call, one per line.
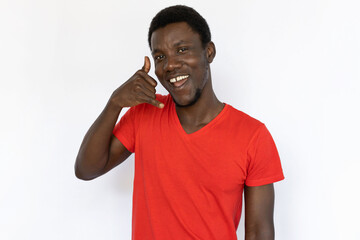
point(194, 155)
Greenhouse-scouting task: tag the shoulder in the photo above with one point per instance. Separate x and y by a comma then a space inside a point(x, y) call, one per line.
point(147, 111)
point(240, 119)
point(145, 114)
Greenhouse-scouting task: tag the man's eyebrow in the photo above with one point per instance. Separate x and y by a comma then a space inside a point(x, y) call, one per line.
point(174, 45)
point(180, 43)
point(155, 51)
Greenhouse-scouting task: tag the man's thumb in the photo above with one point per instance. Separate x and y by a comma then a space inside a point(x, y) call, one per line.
point(147, 65)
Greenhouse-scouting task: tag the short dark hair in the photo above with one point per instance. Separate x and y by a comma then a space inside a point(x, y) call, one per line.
point(181, 13)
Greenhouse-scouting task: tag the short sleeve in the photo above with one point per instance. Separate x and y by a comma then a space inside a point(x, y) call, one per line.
point(125, 130)
point(264, 166)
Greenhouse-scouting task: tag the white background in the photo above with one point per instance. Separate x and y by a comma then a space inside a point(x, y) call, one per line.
point(294, 65)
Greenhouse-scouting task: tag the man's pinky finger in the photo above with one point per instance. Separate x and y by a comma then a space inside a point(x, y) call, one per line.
point(143, 97)
point(156, 103)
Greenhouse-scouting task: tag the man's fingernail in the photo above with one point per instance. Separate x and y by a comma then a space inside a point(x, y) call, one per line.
point(161, 105)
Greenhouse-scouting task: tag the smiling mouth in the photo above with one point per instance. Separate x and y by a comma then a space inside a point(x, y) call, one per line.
point(179, 80)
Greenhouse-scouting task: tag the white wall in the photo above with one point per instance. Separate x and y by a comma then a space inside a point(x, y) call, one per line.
point(292, 64)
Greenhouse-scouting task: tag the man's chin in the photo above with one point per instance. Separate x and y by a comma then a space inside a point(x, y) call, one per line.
point(188, 103)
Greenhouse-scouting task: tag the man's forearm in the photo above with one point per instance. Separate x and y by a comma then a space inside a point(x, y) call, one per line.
point(260, 234)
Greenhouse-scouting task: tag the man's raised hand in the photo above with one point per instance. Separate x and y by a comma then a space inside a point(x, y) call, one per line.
point(140, 88)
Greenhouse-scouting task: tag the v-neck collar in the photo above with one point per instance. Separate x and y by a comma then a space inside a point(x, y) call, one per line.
point(180, 128)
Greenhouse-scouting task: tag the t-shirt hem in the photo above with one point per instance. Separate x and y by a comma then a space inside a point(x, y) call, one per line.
point(255, 183)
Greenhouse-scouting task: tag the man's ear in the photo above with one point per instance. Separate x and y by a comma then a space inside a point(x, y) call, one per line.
point(210, 52)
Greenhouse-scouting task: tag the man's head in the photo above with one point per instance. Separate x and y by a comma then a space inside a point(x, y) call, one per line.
point(180, 13)
point(179, 40)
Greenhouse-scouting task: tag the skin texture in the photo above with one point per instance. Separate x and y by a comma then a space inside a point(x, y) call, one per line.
point(177, 50)
point(259, 210)
point(180, 53)
point(100, 151)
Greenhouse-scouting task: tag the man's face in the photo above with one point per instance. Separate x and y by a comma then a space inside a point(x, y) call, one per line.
point(181, 62)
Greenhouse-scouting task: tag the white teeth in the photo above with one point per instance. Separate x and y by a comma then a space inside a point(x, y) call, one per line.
point(178, 78)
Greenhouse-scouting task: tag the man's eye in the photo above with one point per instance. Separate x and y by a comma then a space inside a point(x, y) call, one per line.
point(159, 57)
point(182, 49)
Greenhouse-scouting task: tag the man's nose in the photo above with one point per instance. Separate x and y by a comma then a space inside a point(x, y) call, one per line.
point(172, 62)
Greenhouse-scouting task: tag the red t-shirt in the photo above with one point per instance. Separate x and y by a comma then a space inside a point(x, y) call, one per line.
point(189, 186)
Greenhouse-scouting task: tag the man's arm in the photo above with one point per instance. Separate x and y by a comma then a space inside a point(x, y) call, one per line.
point(100, 150)
point(259, 211)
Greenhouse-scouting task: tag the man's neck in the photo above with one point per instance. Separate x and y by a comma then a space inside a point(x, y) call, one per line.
point(199, 114)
